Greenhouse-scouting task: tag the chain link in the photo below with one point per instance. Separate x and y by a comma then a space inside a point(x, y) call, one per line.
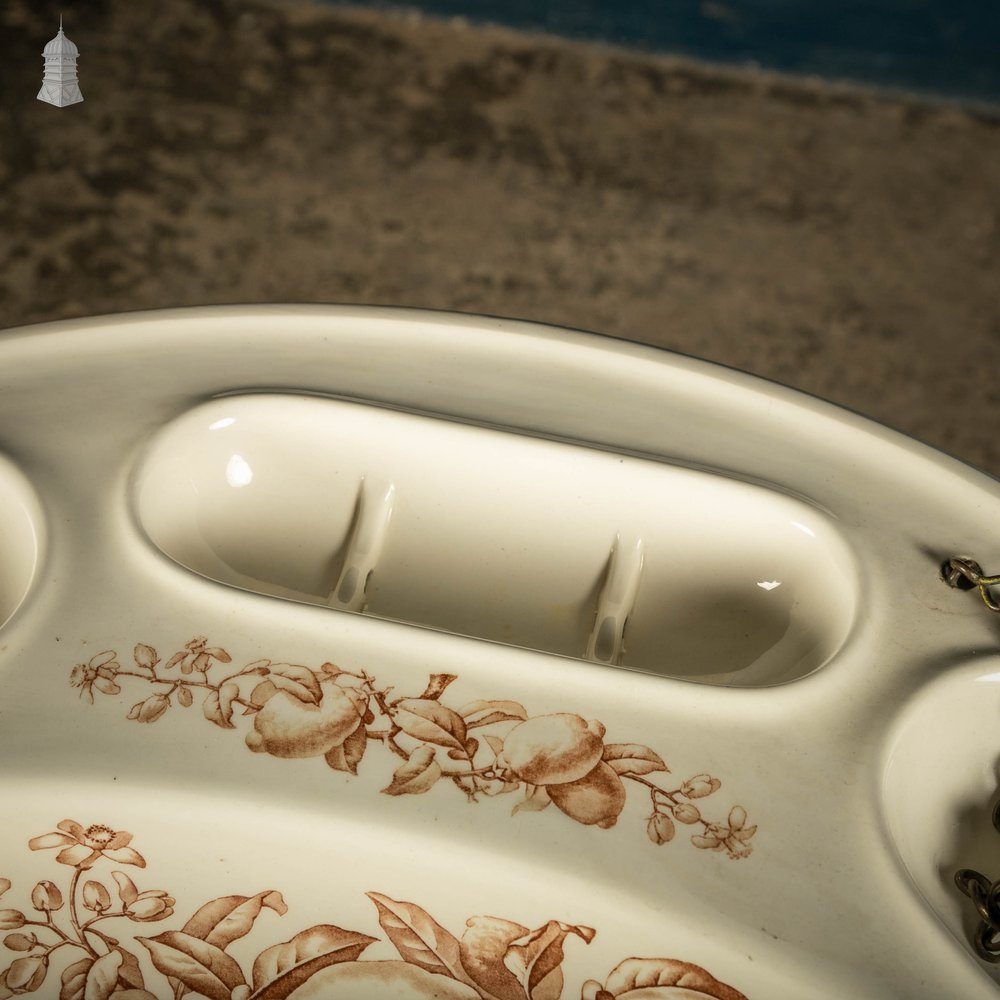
point(964, 573)
point(985, 896)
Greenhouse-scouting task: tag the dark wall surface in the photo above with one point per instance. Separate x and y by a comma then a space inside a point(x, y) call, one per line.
point(840, 241)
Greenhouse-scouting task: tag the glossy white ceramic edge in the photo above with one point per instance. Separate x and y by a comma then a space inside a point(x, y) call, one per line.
point(22, 537)
point(823, 908)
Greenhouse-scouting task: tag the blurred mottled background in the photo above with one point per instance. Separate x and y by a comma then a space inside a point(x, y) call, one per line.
point(842, 240)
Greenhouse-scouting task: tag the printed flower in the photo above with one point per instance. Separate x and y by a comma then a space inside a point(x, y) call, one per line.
point(734, 838)
point(81, 848)
point(11, 920)
point(660, 829)
point(46, 897)
point(198, 657)
point(154, 904)
point(150, 709)
point(96, 897)
point(684, 812)
point(99, 672)
point(699, 786)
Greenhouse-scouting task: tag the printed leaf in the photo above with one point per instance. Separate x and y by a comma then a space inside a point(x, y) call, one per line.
point(489, 720)
point(483, 946)
point(646, 973)
point(129, 972)
point(279, 970)
point(631, 758)
point(4, 885)
point(298, 681)
point(74, 979)
point(535, 800)
point(258, 668)
point(220, 654)
point(201, 967)
point(416, 775)
point(218, 706)
point(145, 656)
point(228, 692)
point(184, 697)
point(348, 755)
point(467, 752)
point(485, 713)
point(212, 709)
point(225, 920)
point(102, 977)
point(495, 744)
point(419, 938)
point(127, 892)
point(535, 959)
point(260, 695)
point(431, 722)
point(437, 684)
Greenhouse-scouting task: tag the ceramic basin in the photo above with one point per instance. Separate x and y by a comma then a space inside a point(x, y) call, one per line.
point(941, 786)
point(374, 653)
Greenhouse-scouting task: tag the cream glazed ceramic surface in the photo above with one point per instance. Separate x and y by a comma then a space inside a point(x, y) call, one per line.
point(371, 653)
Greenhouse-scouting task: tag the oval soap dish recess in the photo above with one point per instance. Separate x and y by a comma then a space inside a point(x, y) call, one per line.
point(499, 536)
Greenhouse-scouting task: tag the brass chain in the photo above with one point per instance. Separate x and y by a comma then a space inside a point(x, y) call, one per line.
point(985, 896)
point(964, 573)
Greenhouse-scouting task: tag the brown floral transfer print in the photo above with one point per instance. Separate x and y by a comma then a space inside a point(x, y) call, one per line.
point(294, 711)
point(494, 959)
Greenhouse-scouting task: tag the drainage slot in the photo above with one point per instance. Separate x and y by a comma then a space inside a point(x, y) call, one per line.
point(607, 641)
point(371, 524)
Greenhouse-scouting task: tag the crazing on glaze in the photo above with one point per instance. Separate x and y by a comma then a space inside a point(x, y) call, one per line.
point(297, 712)
point(494, 959)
